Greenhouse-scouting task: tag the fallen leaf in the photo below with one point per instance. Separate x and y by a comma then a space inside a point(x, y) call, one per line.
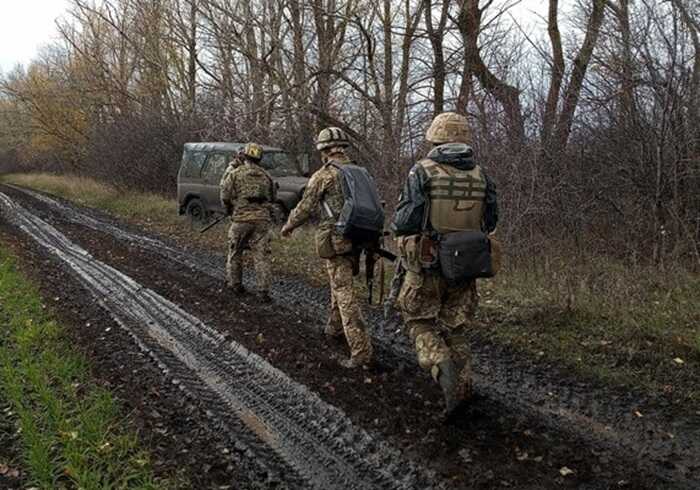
point(638, 413)
point(679, 361)
point(466, 456)
point(566, 471)
point(522, 456)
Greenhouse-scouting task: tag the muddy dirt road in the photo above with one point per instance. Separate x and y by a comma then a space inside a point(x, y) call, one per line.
point(265, 384)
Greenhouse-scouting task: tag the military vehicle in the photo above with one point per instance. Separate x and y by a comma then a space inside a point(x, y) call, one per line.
point(203, 164)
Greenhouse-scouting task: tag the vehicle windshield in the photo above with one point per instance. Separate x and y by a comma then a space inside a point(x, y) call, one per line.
point(279, 164)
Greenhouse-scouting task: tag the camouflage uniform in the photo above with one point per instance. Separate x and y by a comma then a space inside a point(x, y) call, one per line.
point(438, 194)
point(345, 313)
point(250, 222)
point(435, 317)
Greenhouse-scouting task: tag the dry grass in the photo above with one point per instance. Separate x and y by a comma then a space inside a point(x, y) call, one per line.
point(92, 193)
point(638, 326)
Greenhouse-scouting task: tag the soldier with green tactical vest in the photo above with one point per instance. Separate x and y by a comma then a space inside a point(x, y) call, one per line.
point(325, 192)
point(445, 193)
point(247, 193)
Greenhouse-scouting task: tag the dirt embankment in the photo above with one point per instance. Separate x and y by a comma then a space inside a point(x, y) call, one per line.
point(526, 428)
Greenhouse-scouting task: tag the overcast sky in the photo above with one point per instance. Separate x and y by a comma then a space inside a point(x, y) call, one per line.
point(26, 25)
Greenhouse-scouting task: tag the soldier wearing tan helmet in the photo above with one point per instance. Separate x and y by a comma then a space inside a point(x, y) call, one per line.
point(247, 193)
point(447, 192)
point(324, 192)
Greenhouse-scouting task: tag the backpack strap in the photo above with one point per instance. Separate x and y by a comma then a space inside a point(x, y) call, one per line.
point(324, 204)
point(432, 169)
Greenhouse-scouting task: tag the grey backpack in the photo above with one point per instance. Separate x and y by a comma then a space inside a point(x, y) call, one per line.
point(361, 219)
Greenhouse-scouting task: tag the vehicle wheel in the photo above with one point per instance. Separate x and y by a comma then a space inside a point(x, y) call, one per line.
point(197, 213)
point(279, 214)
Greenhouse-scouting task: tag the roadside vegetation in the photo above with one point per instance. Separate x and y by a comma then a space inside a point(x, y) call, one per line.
point(625, 324)
point(69, 432)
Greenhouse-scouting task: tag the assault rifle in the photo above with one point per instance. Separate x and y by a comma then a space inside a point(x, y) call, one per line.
point(213, 223)
point(371, 256)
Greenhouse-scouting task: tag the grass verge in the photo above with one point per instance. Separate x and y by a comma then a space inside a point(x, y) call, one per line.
point(71, 433)
point(633, 326)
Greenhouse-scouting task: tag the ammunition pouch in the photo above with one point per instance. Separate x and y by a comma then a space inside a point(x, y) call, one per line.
point(324, 243)
point(419, 252)
point(329, 244)
point(465, 256)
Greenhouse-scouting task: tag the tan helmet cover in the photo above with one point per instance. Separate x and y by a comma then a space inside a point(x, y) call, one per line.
point(448, 127)
point(331, 137)
point(253, 151)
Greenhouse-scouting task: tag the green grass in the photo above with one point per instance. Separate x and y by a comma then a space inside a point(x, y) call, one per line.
point(619, 323)
point(72, 434)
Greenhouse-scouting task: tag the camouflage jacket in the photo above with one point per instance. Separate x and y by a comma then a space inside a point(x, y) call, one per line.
point(236, 184)
point(325, 193)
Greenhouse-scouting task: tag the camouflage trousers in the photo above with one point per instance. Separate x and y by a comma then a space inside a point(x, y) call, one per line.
point(256, 237)
point(345, 314)
point(435, 317)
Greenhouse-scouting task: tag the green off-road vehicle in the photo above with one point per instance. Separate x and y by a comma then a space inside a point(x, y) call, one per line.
point(203, 164)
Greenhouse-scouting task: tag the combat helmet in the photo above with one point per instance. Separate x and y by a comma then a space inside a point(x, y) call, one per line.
point(253, 151)
point(331, 137)
point(448, 127)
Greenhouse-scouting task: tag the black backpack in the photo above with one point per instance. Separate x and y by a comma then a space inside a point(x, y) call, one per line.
point(361, 220)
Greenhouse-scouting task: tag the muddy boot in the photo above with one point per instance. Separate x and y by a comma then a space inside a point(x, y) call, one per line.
point(264, 297)
point(332, 331)
point(452, 388)
point(464, 378)
point(354, 362)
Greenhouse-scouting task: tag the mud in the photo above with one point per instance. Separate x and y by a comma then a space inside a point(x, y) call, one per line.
point(528, 422)
point(303, 441)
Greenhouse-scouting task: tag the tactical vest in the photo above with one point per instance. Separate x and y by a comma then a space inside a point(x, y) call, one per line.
point(456, 197)
point(254, 185)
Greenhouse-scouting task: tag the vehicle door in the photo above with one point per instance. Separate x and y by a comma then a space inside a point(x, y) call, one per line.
point(189, 182)
point(212, 172)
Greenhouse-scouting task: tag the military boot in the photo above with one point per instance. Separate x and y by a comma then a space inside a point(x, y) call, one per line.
point(264, 297)
point(354, 362)
point(464, 376)
point(452, 387)
point(333, 331)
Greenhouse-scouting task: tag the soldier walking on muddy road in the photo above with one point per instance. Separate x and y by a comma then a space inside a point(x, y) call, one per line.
point(325, 192)
point(447, 207)
point(247, 193)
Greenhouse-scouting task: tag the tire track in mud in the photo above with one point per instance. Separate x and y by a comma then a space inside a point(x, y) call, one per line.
point(565, 409)
point(298, 437)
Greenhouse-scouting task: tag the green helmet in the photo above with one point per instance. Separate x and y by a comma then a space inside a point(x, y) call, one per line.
point(253, 151)
point(448, 127)
point(331, 137)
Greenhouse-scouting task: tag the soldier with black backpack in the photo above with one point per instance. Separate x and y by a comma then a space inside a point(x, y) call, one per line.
point(351, 222)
